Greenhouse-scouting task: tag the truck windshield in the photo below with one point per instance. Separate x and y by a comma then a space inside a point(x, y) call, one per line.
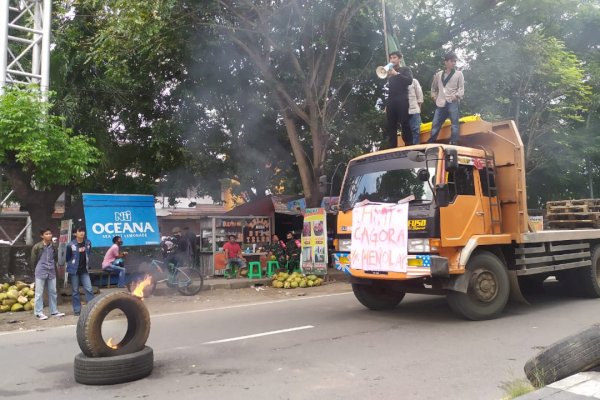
point(385, 180)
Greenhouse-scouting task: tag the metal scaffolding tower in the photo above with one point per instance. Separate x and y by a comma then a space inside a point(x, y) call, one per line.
point(25, 42)
point(24, 55)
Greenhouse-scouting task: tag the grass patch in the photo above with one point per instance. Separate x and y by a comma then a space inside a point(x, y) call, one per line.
point(516, 388)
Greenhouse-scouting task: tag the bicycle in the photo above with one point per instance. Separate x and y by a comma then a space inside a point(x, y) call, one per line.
point(188, 281)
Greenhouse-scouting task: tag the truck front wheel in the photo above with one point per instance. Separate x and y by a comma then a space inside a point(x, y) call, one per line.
point(377, 296)
point(488, 289)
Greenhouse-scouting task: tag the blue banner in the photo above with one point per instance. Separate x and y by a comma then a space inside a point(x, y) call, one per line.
point(131, 216)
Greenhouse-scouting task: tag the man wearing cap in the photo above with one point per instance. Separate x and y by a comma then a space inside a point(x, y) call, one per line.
point(447, 89)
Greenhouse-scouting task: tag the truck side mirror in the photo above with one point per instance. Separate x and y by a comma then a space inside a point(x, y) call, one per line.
point(442, 195)
point(451, 160)
point(323, 184)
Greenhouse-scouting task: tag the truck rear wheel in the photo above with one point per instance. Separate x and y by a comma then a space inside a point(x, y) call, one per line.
point(488, 289)
point(590, 276)
point(377, 296)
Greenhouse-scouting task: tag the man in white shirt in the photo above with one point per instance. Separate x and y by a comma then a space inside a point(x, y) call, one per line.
point(415, 101)
point(447, 89)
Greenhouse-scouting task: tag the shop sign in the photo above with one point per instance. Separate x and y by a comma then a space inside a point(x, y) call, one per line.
point(131, 216)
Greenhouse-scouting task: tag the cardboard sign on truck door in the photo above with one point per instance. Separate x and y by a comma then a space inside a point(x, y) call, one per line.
point(131, 216)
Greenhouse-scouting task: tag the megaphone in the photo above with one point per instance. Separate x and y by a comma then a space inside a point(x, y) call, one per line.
point(383, 70)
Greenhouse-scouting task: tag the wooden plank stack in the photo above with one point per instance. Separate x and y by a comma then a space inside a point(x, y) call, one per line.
point(573, 214)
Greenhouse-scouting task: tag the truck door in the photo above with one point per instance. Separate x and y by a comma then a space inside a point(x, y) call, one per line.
point(464, 216)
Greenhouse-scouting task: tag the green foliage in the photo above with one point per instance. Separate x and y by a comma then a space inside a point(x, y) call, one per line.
point(39, 143)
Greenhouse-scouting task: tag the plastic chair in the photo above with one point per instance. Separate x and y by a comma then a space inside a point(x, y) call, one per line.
point(231, 270)
point(254, 270)
point(272, 266)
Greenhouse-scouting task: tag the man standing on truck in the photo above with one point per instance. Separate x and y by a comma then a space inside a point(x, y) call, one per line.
point(415, 101)
point(447, 89)
point(399, 78)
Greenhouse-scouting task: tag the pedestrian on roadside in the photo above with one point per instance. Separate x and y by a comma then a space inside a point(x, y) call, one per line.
point(176, 248)
point(190, 238)
point(113, 260)
point(447, 90)
point(292, 251)
point(78, 261)
point(399, 79)
point(415, 101)
point(44, 256)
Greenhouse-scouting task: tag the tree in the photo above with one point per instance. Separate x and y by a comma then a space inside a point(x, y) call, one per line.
point(299, 50)
point(38, 154)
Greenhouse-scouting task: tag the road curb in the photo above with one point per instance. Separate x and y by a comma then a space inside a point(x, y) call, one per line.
point(581, 386)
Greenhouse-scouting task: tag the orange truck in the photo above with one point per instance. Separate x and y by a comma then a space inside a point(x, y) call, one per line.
point(469, 236)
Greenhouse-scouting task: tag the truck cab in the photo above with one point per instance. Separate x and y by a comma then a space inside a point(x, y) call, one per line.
point(467, 220)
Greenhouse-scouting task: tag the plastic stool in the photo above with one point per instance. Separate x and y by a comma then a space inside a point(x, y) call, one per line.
point(254, 270)
point(231, 270)
point(271, 267)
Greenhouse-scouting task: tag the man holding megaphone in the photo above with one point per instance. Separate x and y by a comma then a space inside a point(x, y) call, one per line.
point(399, 78)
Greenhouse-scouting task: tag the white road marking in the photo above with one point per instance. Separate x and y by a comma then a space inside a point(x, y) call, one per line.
point(299, 328)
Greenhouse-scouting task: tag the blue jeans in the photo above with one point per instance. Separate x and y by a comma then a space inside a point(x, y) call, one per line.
point(450, 110)
point(121, 270)
point(84, 278)
point(39, 295)
point(239, 261)
point(414, 121)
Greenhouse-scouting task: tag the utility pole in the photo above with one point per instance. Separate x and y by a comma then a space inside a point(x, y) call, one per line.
point(25, 43)
point(25, 54)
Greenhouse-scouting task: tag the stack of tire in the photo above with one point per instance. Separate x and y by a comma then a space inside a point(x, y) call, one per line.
point(573, 354)
point(100, 364)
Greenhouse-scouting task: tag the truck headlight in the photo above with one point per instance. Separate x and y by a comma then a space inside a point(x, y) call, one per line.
point(418, 246)
point(345, 244)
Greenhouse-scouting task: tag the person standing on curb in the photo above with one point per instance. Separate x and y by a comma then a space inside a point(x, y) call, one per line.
point(415, 101)
point(113, 260)
point(447, 90)
point(44, 255)
point(78, 259)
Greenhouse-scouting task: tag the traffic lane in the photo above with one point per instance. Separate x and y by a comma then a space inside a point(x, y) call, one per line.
point(421, 348)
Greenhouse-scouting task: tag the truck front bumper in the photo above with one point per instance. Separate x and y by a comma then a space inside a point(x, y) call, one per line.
point(418, 266)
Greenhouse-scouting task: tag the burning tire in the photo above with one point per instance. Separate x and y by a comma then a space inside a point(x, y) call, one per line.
point(113, 370)
point(575, 353)
point(89, 327)
point(377, 296)
point(488, 289)
point(148, 289)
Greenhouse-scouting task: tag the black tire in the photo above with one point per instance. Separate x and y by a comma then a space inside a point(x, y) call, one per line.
point(188, 281)
point(488, 290)
point(377, 296)
point(89, 326)
point(589, 277)
point(113, 370)
point(573, 354)
point(148, 290)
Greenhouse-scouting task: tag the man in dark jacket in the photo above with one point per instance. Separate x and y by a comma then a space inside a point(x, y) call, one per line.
point(44, 257)
point(292, 251)
point(399, 79)
point(78, 260)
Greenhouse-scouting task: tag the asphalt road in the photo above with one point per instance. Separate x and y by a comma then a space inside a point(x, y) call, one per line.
point(326, 347)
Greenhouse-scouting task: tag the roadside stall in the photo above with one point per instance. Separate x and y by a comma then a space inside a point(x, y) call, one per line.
point(253, 233)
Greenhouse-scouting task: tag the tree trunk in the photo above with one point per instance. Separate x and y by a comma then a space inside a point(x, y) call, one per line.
point(39, 204)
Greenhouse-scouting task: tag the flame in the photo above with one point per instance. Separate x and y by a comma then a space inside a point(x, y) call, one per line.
point(110, 344)
point(138, 291)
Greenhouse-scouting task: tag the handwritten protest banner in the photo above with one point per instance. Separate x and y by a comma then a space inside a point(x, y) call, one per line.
point(379, 237)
